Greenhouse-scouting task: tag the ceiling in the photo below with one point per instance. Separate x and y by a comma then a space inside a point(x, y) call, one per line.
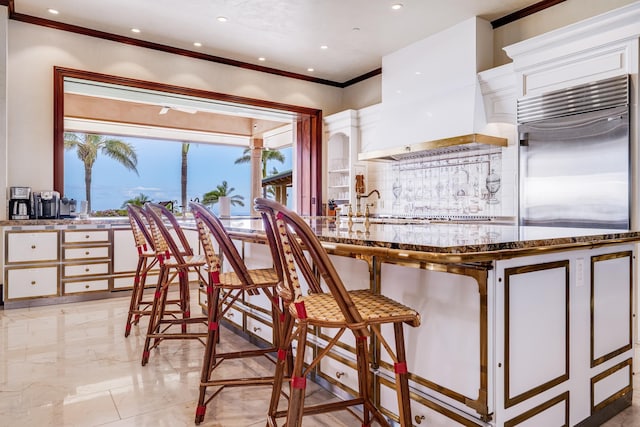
point(288, 34)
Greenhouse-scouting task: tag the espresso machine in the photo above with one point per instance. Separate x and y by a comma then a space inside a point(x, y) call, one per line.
point(19, 202)
point(46, 205)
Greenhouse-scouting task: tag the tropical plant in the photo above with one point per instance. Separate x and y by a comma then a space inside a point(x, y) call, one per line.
point(222, 190)
point(89, 145)
point(139, 200)
point(267, 155)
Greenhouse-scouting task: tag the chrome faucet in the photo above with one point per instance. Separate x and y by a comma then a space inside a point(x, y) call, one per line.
point(364, 196)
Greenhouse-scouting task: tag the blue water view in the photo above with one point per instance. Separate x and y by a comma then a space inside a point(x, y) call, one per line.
point(159, 169)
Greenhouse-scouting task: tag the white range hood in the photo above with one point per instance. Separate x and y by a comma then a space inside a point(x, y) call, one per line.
point(431, 97)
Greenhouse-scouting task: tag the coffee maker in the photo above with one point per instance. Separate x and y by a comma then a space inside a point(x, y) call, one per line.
point(67, 208)
point(46, 205)
point(19, 202)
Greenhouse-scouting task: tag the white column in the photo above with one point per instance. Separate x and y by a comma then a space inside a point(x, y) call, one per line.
point(256, 171)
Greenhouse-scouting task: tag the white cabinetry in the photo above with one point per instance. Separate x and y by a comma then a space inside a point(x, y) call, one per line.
point(32, 247)
point(86, 260)
point(342, 142)
point(498, 86)
point(125, 261)
point(54, 261)
point(594, 49)
point(30, 282)
point(31, 269)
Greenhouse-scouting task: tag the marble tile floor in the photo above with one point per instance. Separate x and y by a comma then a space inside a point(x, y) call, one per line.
point(70, 365)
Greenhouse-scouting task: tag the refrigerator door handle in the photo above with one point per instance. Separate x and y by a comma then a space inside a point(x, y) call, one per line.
point(523, 139)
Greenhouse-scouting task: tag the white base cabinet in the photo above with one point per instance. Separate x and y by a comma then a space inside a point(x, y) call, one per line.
point(45, 262)
point(31, 264)
point(31, 282)
point(536, 340)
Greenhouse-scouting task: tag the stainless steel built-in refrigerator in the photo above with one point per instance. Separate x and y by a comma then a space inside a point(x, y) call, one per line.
point(574, 156)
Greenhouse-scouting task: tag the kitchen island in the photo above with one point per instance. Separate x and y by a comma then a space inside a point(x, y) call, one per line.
point(521, 325)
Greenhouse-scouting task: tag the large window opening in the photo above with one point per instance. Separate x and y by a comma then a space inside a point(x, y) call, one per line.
point(212, 171)
point(168, 127)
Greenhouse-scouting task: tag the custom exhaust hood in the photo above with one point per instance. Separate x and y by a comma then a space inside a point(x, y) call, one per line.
point(431, 97)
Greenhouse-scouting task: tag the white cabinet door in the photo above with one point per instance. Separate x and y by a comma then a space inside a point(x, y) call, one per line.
point(31, 282)
point(33, 246)
point(125, 254)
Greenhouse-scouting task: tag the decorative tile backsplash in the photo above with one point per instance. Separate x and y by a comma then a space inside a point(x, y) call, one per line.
point(452, 184)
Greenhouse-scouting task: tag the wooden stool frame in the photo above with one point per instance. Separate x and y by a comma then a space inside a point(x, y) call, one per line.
point(360, 311)
point(223, 290)
point(174, 261)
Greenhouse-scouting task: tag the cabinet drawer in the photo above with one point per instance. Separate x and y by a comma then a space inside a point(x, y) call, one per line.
point(260, 329)
point(81, 236)
point(86, 253)
point(259, 301)
point(29, 247)
point(31, 282)
point(127, 282)
point(339, 372)
point(86, 269)
point(232, 315)
point(86, 286)
point(422, 415)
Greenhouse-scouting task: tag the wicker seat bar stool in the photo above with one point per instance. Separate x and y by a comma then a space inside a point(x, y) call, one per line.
point(147, 259)
point(176, 259)
point(140, 304)
point(360, 311)
point(223, 290)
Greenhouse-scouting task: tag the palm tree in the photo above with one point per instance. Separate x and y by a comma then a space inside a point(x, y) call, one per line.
point(183, 176)
point(222, 190)
point(89, 145)
point(267, 155)
point(139, 200)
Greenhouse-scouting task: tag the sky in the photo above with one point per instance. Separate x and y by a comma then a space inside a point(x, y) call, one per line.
point(159, 174)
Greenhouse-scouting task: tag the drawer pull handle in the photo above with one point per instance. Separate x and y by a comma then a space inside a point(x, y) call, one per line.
point(87, 286)
point(230, 315)
point(33, 246)
point(257, 328)
point(87, 253)
point(419, 419)
point(339, 375)
point(33, 282)
point(86, 236)
point(87, 270)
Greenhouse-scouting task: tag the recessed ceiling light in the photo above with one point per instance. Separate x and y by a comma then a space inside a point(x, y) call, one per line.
point(197, 44)
point(53, 11)
point(355, 29)
point(222, 19)
point(262, 58)
point(310, 70)
point(324, 46)
point(135, 30)
point(397, 6)
point(418, 73)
